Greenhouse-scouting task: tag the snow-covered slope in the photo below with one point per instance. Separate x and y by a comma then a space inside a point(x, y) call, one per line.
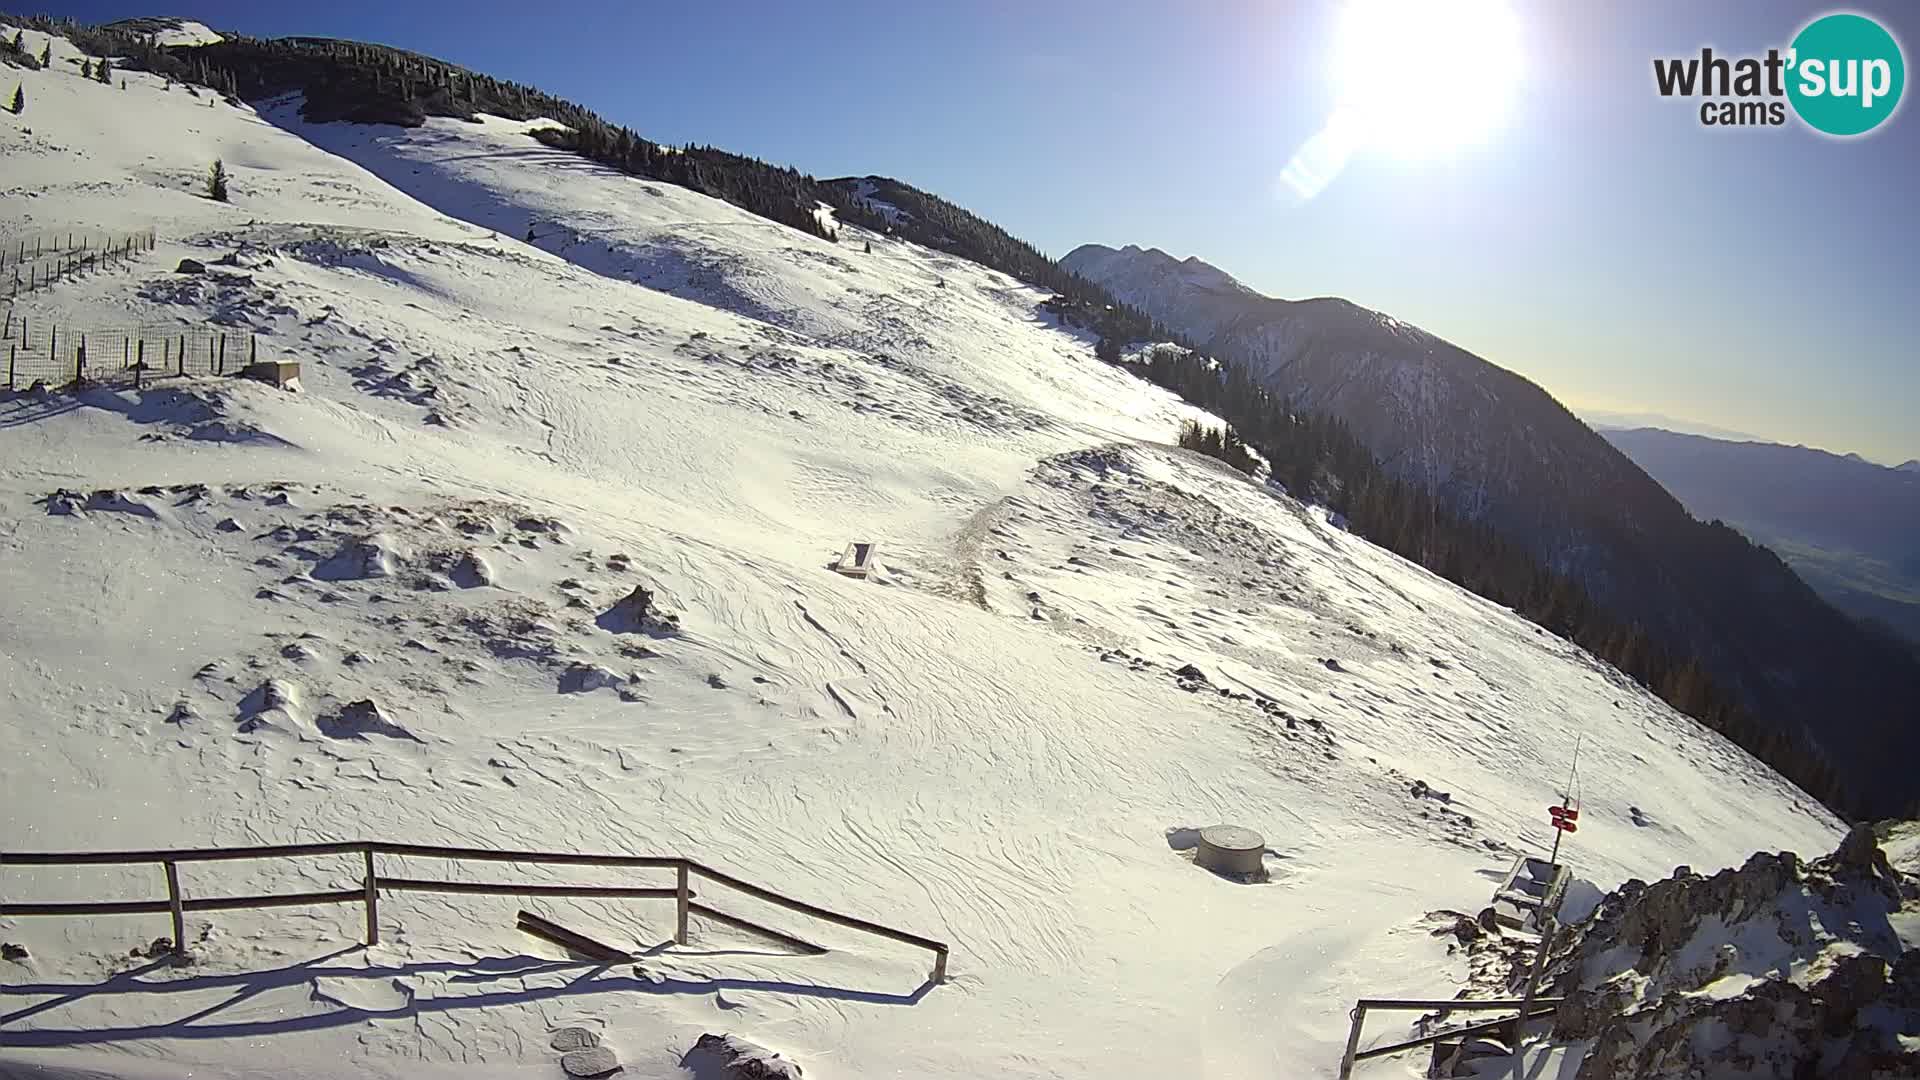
point(167, 30)
point(992, 744)
point(1501, 452)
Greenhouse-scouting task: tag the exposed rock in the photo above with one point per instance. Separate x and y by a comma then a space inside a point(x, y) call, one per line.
point(734, 1058)
point(634, 613)
point(598, 1061)
point(358, 559)
point(360, 719)
point(569, 1039)
point(13, 952)
point(190, 266)
point(1850, 1008)
point(580, 678)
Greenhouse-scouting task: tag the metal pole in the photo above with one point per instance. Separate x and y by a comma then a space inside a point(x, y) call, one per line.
point(372, 901)
point(680, 902)
point(173, 906)
point(1359, 1015)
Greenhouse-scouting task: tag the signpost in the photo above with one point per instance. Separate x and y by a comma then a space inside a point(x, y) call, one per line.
point(1565, 820)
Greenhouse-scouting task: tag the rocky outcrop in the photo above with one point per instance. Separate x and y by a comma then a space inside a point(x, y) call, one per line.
point(1778, 969)
point(735, 1058)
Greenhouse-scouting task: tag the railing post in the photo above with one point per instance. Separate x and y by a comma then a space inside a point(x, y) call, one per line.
point(940, 966)
point(1359, 1015)
point(1545, 925)
point(681, 899)
point(373, 899)
point(174, 907)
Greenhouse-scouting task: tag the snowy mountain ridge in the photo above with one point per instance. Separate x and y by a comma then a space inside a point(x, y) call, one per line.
point(1499, 450)
point(389, 606)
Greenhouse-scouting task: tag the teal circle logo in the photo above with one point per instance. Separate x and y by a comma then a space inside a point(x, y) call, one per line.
point(1847, 74)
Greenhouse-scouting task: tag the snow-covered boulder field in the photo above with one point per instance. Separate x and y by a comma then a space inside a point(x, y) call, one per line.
point(400, 604)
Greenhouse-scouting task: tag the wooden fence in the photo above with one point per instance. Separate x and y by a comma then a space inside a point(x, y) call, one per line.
point(37, 350)
point(31, 265)
point(372, 883)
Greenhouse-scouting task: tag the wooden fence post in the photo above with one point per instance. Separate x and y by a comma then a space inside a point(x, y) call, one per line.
point(373, 899)
point(126, 353)
point(1359, 1015)
point(222, 369)
point(183, 354)
point(80, 362)
point(178, 912)
point(12, 351)
point(253, 349)
point(681, 900)
point(139, 362)
point(210, 366)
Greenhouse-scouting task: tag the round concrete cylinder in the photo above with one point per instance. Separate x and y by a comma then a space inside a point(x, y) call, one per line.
point(1230, 849)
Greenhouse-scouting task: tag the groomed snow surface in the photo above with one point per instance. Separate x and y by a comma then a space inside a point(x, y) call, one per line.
point(987, 743)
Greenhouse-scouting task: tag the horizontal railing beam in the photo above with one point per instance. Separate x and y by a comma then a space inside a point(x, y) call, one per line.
point(724, 919)
point(1442, 1036)
point(555, 858)
point(1454, 1004)
point(488, 888)
point(820, 913)
point(207, 903)
point(182, 855)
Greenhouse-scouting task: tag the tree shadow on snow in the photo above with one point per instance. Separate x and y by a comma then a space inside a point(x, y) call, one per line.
point(202, 1023)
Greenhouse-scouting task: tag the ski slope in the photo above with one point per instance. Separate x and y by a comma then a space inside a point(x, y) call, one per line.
point(989, 744)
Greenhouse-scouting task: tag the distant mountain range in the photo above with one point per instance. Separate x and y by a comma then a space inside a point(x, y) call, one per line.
point(1849, 527)
point(1500, 450)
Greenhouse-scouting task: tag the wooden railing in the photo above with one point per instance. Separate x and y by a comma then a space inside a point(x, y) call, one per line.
point(367, 893)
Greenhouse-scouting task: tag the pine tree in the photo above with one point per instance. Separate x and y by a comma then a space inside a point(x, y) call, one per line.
point(46, 54)
point(19, 100)
point(217, 181)
point(86, 69)
point(104, 71)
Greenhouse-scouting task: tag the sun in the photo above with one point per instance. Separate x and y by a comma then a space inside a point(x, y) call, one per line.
point(1426, 77)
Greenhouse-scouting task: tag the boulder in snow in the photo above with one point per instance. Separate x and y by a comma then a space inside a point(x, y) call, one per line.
point(360, 719)
point(360, 558)
point(598, 1061)
point(568, 1039)
point(580, 678)
point(190, 266)
point(734, 1058)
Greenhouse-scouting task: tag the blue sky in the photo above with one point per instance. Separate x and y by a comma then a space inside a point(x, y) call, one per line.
point(1602, 242)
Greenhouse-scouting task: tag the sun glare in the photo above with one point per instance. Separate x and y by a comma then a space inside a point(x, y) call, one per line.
point(1425, 77)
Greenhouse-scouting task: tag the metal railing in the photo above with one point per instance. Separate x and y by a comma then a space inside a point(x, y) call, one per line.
point(1530, 1008)
point(367, 892)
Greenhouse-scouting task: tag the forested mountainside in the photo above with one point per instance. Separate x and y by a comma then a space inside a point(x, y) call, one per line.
point(1499, 451)
point(372, 83)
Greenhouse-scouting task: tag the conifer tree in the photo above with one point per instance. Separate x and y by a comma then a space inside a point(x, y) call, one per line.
point(104, 71)
point(46, 54)
point(217, 181)
point(19, 100)
point(86, 69)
